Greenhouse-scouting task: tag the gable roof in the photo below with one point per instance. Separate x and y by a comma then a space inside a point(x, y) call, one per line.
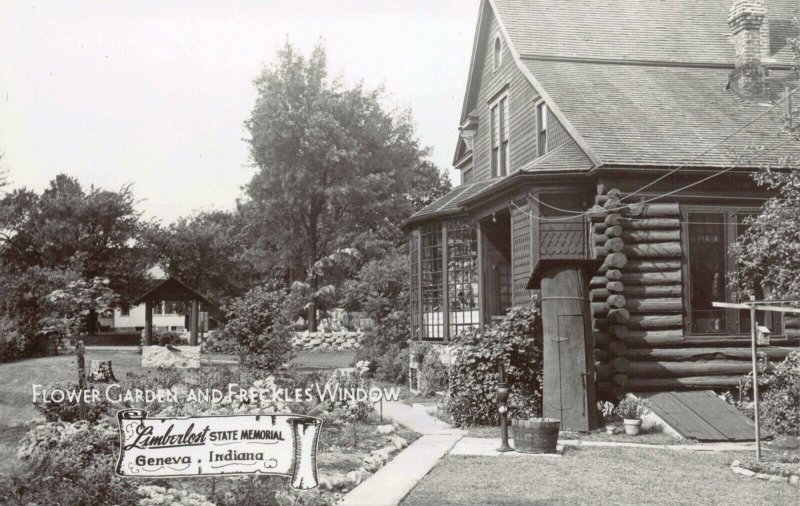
point(171, 289)
point(641, 83)
point(687, 31)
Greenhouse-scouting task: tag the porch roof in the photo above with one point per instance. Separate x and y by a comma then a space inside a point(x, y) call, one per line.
point(171, 289)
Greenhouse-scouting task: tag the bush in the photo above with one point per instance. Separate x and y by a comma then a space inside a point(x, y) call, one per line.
point(779, 391)
point(262, 329)
point(633, 408)
point(386, 348)
point(433, 373)
point(474, 375)
point(219, 342)
point(69, 409)
point(165, 338)
point(13, 344)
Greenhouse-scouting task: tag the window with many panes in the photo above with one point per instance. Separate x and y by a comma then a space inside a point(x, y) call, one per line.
point(709, 232)
point(431, 281)
point(462, 275)
point(498, 119)
point(413, 261)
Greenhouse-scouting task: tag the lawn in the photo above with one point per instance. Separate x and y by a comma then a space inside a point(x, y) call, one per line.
point(596, 476)
point(648, 436)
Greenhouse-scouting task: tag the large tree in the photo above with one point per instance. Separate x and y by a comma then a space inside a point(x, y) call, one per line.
point(335, 166)
point(93, 232)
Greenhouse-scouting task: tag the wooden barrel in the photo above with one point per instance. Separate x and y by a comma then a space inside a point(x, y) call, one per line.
point(536, 435)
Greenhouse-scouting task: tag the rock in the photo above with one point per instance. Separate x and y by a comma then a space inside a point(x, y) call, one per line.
point(355, 477)
point(398, 442)
point(385, 429)
point(383, 454)
point(794, 480)
point(742, 471)
point(778, 479)
point(735, 463)
point(762, 476)
point(188, 357)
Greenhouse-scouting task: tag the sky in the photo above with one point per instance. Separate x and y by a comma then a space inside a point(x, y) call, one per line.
point(155, 93)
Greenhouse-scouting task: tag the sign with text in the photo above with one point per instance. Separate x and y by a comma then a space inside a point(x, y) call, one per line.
point(270, 444)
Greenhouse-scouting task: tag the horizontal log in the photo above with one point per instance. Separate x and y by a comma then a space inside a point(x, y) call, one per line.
point(615, 231)
point(791, 322)
point(604, 371)
point(602, 355)
point(653, 250)
point(646, 338)
point(601, 339)
point(634, 236)
point(684, 369)
point(617, 347)
point(613, 219)
point(615, 286)
point(599, 239)
point(612, 203)
point(600, 252)
point(614, 245)
point(705, 353)
point(645, 291)
point(620, 379)
point(616, 260)
point(651, 223)
point(618, 315)
point(597, 213)
point(651, 278)
point(613, 274)
point(792, 333)
point(666, 305)
point(620, 364)
point(598, 294)
point(650, 322)
point(618, 331)
point(688, 383)
point(654, 210)
point(616, 301)
point(652, 265)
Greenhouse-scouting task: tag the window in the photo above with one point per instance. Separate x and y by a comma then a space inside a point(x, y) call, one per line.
point(462, 275)
point(466, 176)
point(500, 146)
point(158, 308)
point(413, 253)
point(541, 127)
point(709, 234)
point(497, 58)
point(125, 310)
point(431, 281)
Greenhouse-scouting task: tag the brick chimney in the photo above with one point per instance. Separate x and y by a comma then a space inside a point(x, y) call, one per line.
point(749, 78)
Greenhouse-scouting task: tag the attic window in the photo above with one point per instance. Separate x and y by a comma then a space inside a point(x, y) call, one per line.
point(541, 128)
point(498, 54)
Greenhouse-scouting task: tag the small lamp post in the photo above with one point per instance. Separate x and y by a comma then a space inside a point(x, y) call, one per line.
point(502, 401)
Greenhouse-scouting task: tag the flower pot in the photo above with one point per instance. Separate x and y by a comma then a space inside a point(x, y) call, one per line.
point(633, 427)
point(611, 429)
point(536, 435)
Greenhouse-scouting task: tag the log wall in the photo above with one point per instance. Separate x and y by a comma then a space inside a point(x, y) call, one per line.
point(637, 307)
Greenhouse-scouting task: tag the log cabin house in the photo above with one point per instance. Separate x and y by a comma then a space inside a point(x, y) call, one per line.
point(610, 144)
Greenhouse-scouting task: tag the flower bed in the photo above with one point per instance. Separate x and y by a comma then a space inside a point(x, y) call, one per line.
point(327, 341)
point(777, 469)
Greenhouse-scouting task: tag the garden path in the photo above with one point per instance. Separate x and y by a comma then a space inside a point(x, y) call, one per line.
point(390, 484)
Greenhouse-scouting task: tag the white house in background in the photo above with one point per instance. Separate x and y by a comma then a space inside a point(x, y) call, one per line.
point(167, 316)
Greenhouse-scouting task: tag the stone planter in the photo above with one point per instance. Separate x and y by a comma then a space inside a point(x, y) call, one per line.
point(633, 427)
point(611, 429)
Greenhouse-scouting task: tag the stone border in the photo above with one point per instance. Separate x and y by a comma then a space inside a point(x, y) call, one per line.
point(374, 461)
point(794, 479)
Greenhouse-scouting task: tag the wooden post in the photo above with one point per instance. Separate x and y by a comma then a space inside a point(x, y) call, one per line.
point(148, 323)
point(79, 351)
point(194, 323)
point(753, 330)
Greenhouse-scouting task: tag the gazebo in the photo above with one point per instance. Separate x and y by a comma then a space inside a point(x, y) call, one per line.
point(172, 289)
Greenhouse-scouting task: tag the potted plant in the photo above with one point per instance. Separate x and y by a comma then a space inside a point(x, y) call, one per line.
point(608, 410)
point(632, 409)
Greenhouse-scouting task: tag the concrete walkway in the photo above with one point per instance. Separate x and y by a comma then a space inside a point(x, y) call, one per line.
point(390, 484)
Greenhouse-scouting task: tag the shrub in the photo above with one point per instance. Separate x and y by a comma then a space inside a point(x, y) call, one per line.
point(69, 409)
point(219, 342)
point(261, 327)
point(13, 343)
point(779, 391)
point(165, 338)
point(633, 408)
point(781, 465)
point(386, 348)
point(474, 374)
point(433, 373)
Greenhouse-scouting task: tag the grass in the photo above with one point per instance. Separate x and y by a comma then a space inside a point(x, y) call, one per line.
point(596, 476)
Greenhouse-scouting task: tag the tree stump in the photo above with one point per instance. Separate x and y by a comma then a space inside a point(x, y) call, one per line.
point(100, 371)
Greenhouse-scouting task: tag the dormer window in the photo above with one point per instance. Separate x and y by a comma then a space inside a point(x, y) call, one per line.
point(498, 54)
point(541, 128)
